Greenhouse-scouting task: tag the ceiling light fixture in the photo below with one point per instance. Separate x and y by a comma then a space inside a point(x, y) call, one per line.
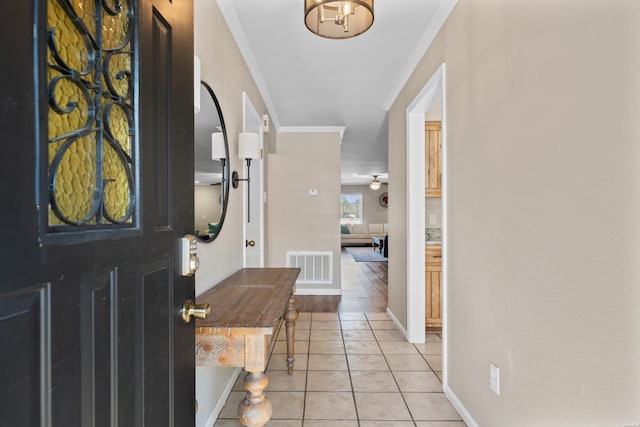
point(338, 19)
point(375, 183)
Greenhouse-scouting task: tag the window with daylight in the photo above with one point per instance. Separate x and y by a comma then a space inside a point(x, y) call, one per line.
point(351, 209)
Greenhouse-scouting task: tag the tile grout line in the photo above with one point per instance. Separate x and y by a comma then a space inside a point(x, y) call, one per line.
point(394, 377)
point(346, 358)
point(306, 375)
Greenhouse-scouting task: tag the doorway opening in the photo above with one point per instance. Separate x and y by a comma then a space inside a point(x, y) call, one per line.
point(253, 252)
point(432, 93)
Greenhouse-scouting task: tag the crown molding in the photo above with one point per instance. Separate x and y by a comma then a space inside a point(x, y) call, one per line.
point(314, 129)
point(441, 15)
point(233, 22)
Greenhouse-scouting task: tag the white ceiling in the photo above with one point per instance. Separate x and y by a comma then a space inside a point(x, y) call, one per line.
point(307, 80)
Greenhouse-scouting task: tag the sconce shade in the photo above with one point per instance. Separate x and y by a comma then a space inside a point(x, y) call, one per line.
point(375, 183)
point(248, 145)
point(338, 19)
point(196, 84)
point(217, 146)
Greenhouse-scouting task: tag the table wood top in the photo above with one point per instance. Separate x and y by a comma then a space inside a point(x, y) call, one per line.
point(252, 298)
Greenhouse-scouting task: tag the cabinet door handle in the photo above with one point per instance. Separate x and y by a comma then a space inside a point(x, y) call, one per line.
point(437, 256)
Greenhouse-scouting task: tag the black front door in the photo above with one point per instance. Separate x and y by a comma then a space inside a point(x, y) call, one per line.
point(96, 122)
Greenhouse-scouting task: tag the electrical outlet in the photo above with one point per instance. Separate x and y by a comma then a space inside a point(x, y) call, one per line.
point(432, 219)
point(494, 378)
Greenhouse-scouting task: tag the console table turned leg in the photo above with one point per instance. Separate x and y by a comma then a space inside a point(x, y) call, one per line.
point(255, 409)
point(290, 318)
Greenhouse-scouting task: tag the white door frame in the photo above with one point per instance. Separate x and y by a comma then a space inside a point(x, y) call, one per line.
point(415, 117)
point(250, 114)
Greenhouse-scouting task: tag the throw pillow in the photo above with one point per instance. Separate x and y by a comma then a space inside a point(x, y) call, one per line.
point(344, 229)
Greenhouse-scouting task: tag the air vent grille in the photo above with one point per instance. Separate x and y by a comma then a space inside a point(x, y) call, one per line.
point(315, 267)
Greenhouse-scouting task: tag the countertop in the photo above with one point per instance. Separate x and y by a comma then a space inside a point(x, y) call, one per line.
point(433, 236)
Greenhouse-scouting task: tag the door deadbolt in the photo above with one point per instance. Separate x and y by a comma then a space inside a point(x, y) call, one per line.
point(189, 255)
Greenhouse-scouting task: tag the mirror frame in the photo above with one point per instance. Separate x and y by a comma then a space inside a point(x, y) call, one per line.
point(225, 173)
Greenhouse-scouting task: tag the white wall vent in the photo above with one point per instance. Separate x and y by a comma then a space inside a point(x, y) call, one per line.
point(315, 267)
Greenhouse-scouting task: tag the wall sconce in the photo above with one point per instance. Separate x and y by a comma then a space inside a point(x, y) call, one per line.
point(248, 148)
point(218, 152)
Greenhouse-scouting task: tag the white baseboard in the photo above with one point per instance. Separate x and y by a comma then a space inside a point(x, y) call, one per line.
point(466, 416)
point(318, 291)
point(397, 322)
point(213, 417)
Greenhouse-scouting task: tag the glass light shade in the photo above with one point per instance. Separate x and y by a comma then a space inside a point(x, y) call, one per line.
point(217, 146)
point(375, 183)
point(338, 19)
point(248, 145)
point(196, 84)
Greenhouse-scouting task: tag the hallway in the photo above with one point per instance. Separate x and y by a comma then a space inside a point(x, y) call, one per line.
point(364, 290)
point(353, 367)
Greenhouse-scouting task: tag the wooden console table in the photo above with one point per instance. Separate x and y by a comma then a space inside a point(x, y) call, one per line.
point(247, 308)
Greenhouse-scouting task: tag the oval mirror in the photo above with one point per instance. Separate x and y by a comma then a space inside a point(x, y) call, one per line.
point(211, 167)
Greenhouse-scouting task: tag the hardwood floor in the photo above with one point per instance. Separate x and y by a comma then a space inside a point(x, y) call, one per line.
point(364, 290)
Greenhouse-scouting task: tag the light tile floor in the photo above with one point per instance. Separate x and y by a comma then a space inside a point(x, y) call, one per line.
point(353, 370)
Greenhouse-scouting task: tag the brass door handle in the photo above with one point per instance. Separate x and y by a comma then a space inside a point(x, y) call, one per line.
point(189, 310)
point(251, 243)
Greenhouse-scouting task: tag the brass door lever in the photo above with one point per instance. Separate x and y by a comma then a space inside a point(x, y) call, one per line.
point(189, 310)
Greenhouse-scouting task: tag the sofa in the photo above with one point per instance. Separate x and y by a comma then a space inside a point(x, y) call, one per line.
point(361, 234)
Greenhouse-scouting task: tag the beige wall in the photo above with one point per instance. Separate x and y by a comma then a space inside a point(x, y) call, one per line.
point(226, 72)
point(206, 207)
point(433, 206)
point(372, 212)
point(543, 100)
point(298, 221)
point(434, 113)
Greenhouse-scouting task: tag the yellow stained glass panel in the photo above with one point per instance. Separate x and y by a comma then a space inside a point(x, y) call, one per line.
point(89, 127)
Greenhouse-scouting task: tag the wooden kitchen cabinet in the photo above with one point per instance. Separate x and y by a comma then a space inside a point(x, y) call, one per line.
point(433, 286)
point(433, 158)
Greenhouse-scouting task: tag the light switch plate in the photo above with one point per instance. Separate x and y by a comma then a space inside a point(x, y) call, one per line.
point(313, 191)
point(494, 378)
point(432, 219)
